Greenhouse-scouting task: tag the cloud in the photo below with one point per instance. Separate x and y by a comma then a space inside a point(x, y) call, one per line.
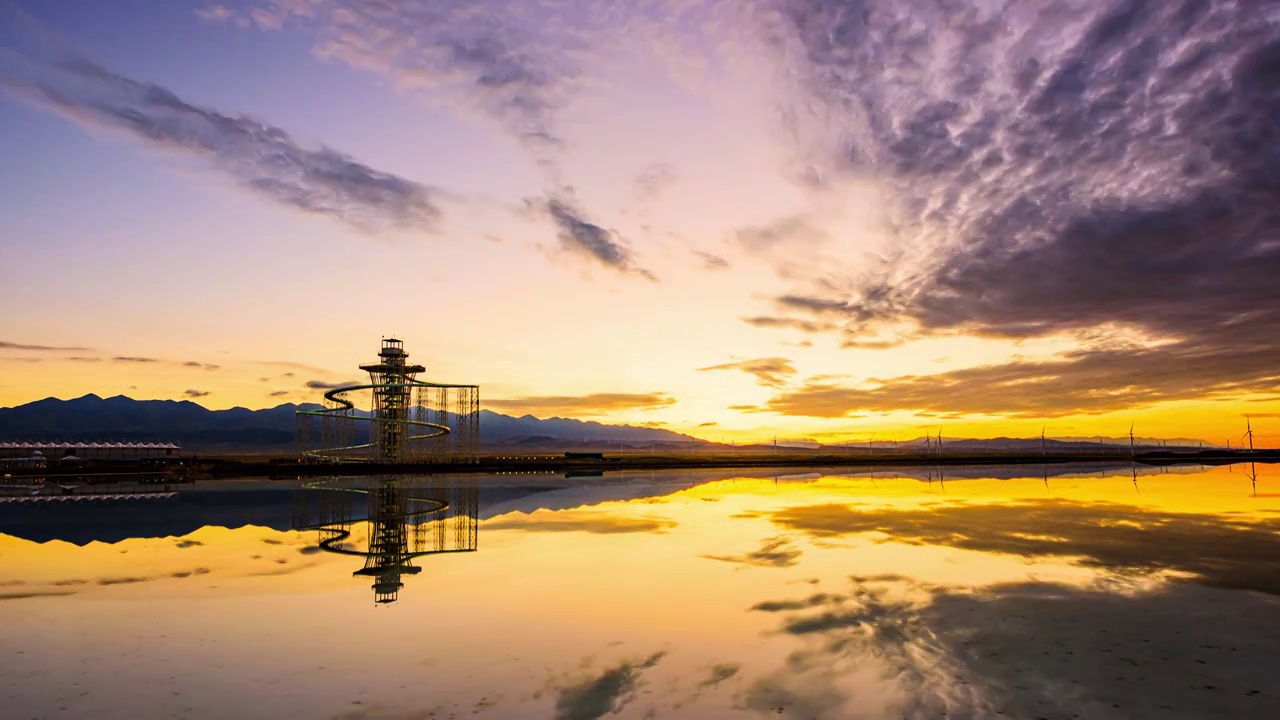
point(514, 67)
point(1082, 381)
point(39, 348)
point(773, 552)
point(608, 692)
point(784, 233)
point(324, 385)
point(770, 372)
point(203, 366)
point(293, 365)
point(711, 261)
point(654, 180)
point(801, 324)
point(84, 359)
point(586, 239)
point(196, 393)
point(133, 359)
point(571, 405)
point(259, 157)
point(1054, 169)
point(579, 521)
point(278, 393)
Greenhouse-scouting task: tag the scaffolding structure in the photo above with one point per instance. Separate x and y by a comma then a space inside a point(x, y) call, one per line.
point(405, 518)
point(409, 420)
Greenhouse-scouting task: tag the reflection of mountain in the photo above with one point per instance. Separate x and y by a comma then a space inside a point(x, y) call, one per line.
point(231, 505)
point(91, 418)
point(405, 517)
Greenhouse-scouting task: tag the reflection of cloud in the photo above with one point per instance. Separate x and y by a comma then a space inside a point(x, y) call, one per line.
point(1221, 552)
point(770, 372)
point(719, 673)
point(261, 158)
point(571, 405)
point(579, 521)
point(608, 692)
point(781, 605)
point(123, 580)
point(1028, 650)
point(773, 552)
point(35, 594)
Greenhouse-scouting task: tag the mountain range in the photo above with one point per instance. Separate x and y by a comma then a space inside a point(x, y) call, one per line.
point(93, 418)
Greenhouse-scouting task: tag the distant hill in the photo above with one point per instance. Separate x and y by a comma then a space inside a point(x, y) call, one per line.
point(92, 418)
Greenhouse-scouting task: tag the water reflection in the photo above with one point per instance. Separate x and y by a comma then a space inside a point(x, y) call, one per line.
point(407, 517)
point(1012, 592)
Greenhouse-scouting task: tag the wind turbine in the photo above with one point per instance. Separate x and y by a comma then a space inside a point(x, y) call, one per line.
point(873, 437)
point(1043, 448)
point(1132, 451)
point(1249, 431)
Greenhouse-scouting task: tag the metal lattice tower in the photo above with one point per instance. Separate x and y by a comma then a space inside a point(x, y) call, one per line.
point(410, 420)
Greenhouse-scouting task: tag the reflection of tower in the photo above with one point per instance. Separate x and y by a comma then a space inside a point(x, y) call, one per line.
point(408, 517)
point(389, 554)
point(392, 379)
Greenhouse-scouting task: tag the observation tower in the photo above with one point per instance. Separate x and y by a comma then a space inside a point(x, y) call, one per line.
point(408, 420)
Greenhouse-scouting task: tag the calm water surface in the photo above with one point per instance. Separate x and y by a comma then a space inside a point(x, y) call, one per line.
point(693, 595)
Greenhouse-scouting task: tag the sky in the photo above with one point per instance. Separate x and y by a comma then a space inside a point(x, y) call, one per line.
point(820, 219)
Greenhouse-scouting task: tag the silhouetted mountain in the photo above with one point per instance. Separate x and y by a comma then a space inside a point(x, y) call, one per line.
point(91, 418)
